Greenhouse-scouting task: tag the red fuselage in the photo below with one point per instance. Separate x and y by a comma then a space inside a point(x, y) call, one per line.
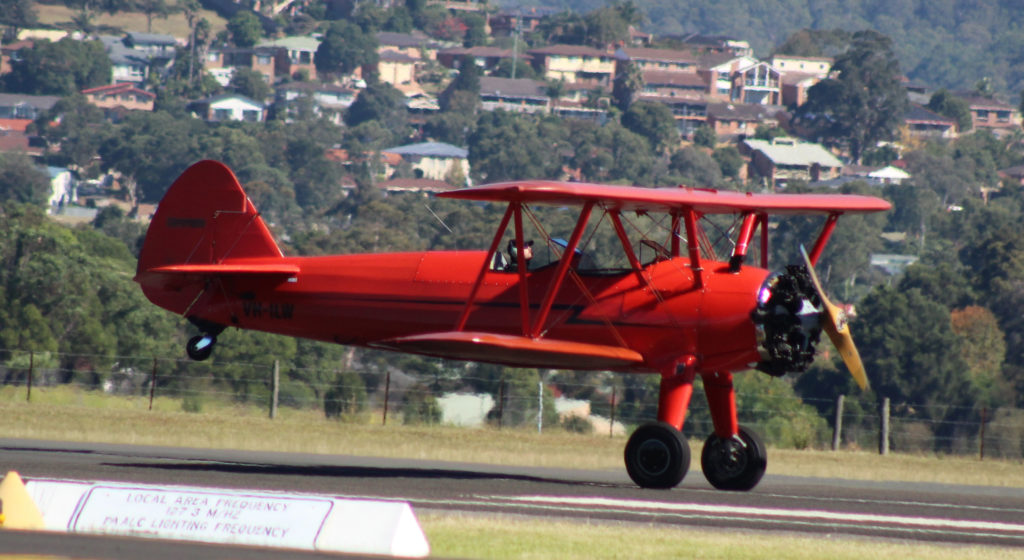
point(366, 298)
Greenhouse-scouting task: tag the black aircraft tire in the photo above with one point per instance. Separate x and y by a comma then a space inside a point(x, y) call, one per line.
point(734, 465)
point(657, 456)
point(196, 353)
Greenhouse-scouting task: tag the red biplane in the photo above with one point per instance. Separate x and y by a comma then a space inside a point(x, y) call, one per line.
point(670, 307)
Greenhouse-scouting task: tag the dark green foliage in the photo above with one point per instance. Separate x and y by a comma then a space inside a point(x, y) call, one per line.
point(344, 48)
point(62, 68)
point(22, 181)
point(420, 406)
point(864, 103)
point(346, 396)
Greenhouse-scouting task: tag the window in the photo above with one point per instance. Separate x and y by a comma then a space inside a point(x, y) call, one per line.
point(250, 115)
point(222, 114)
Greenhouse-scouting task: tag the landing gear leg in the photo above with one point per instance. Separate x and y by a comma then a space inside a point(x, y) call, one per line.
point(734, 457)
point(657, 455)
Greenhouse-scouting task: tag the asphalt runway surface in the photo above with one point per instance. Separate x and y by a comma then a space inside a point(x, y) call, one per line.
point(827, 508)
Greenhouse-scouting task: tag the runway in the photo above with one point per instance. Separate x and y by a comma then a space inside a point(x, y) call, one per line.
point(832, 508)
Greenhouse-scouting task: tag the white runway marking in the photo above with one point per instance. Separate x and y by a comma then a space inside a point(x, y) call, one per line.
point(821, 516)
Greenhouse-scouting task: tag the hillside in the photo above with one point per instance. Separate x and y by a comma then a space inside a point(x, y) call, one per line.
point(940, 43)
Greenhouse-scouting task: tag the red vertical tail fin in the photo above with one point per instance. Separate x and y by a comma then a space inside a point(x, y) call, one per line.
point(205, 218)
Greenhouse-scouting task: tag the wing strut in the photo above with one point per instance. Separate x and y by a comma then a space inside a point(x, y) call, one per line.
point(826, 232)
point(690, 220)
point(461, 324)
point(739, 252)
point(563, 268)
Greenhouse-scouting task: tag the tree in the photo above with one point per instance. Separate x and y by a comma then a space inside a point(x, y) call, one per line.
point(250, 83)
point(17, 15)
point(949, 105)
point(154, 8)
point(62, 68)
point(344, 48)
point(383, 103)
point(22, 181)
point(864, 104)
point(506, 146)
point(654, 122)
point(466, 81)
point(697, 168)
point(729, 160)
point(245, 29)
point(705, 136)
point(627, 84)
point(912, 355)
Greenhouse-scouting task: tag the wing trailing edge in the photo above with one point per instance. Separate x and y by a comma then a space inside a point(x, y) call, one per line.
point(512, 350)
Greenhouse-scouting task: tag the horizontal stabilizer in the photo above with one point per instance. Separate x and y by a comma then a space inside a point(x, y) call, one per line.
point(511, 350)
point(275, 269)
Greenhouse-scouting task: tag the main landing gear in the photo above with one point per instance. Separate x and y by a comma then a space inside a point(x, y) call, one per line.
point(657, 455)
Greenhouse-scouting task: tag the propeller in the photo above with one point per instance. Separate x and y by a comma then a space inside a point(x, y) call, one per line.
point(838, 328)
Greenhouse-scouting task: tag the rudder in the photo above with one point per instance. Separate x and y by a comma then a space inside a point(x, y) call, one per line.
point(204, 218)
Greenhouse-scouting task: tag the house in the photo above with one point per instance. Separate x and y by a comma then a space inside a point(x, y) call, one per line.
point(399, 70)
point(125, 96)
point(487, 58)
point(819, 66)
point(658, 60)
point(415, 45)
point(409, 184)
point(228, 107)
point(298, 57)
point(740, 120)
point(221, 62)
point(515, 95)
point(881, 175)
point(785, 159)
point(433, 160)
point(135, 55)
point(21, 106)
point(717, 69)
point(993, 115)
point(671, 84)
point(714, 44)
point(757, 84)
point(9, 52)
point(574, 63)
point(795, 86)
point(690, 111)
point(922, 122)
point(1014, 174)
point(519, 20)
point(325, 99)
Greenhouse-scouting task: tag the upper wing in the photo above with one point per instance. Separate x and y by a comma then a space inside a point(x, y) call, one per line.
point(704, 201)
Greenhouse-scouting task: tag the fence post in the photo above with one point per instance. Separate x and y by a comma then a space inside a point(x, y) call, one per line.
point(387, 396)
point(501, 402)
point(540, 406)
point(837, 431)
point(981, 437)
point(883, 435)
point(611, 424)
point(31, 367)
point(152, 384)
point(275, 386)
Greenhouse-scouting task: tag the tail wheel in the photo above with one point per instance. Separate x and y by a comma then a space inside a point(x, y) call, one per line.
point(735, 463)
point(200, 347)
point(657, 456)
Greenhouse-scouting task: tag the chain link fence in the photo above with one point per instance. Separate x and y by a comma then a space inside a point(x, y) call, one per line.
point(851, 422)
